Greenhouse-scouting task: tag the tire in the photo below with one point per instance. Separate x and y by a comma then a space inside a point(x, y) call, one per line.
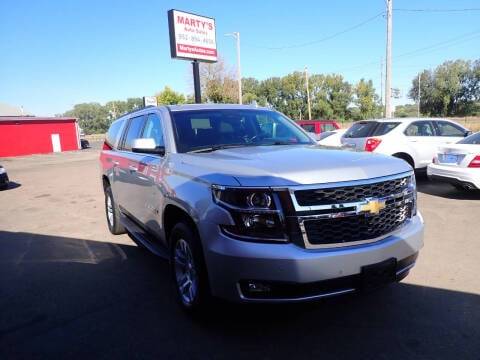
point(112, 213)
point(188, 269)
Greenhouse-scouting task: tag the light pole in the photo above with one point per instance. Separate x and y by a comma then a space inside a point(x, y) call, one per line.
point(236, 35)
point(388, 72)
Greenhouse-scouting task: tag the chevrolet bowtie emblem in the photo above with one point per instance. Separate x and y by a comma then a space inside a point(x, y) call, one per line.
point(373, 207)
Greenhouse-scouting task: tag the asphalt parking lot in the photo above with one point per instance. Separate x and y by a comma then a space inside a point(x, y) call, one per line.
point(69, 289)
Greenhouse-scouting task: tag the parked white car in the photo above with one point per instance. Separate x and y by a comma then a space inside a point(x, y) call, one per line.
point(332, 138)
point(458, 164)
point(414, 140)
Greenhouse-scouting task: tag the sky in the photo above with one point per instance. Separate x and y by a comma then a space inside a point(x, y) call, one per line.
point(54, 54)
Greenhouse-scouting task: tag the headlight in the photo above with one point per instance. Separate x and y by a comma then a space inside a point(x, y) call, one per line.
point(256, 213)
point(412, 186)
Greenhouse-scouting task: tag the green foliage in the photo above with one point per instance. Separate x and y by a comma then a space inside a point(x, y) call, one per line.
point(451, 89)
point(408, 110)
point(169, 97)
point(366, 100)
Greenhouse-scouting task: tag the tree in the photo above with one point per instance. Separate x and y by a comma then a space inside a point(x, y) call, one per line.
point(169, 97)
point(366, 99)
point(452, 89)
point(92, 117)
point(218, 83)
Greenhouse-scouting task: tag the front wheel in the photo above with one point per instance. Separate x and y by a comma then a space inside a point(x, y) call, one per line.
point(188, 268)
point(113, 213)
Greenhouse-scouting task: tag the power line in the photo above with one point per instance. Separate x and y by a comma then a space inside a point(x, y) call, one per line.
point(329, 37)
point(420, 51)
point(437, 10)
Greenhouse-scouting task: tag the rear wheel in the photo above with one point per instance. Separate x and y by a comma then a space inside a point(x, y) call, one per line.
point(188, 268)
point(113, 213)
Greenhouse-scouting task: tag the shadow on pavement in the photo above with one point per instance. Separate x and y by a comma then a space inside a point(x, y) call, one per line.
point(446, 191)
point(72, 298)
point(12, 185)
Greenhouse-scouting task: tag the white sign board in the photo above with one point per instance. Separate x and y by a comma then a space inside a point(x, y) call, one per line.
point(192, 36)
point(150, 101)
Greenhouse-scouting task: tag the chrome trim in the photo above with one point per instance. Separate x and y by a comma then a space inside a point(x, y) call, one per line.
point(252, 238)
point(405, 269)
point(300, 208)
point(299, 299)
point(308, 245)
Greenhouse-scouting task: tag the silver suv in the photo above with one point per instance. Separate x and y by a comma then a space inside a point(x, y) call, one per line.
point(248, 208)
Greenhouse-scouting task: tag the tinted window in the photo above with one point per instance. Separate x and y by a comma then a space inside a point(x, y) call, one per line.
point(328, 127)
point(360, 129)
point(472, 139)
point(448, 129)
point(153, 129)
point(203, 129)
point(133, 132)
point(114, 132)
point(384, 128)
point(420, 128)
point(308, 127)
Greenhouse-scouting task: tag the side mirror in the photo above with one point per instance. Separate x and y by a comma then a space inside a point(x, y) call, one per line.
point(147, 146)
point(468, 133)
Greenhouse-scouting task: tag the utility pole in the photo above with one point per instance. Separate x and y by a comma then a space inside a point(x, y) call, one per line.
point(381, 85)
point(236, 35)
point(308, 95)
point(418, 109)
point(388, 72)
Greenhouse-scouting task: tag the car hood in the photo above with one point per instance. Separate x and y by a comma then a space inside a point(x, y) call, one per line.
point(289, 165)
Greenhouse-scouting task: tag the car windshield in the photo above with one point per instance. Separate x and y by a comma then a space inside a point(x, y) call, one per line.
point(209, 130)
point(472, 139)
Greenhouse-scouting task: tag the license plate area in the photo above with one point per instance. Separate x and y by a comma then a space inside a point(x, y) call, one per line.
point(378, 275)
point(447, 158)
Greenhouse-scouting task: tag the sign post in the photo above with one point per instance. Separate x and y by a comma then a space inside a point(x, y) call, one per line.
point(192, 37)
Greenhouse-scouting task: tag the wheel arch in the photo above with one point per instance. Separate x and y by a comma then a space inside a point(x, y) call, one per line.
point(405, 156)
point(173, 214)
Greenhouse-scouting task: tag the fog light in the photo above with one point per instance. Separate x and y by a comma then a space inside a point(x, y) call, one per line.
point(252, 220)
point(257, 287)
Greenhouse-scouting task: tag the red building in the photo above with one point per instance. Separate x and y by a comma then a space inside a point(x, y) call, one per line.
point(25, 135)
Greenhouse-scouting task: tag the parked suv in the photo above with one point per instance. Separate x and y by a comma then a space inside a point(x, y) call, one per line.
point(414, 140)
point(248, 208)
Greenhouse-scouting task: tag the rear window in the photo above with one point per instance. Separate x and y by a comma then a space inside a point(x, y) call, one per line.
point(385, 128)
point(472, 139)
point(114, 132)
point(360, 129)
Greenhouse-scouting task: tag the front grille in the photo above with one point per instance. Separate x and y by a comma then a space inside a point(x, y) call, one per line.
point(358, 227)
point(354, 193)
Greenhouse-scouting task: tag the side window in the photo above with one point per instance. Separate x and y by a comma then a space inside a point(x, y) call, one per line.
point(114, 132)
point(448, 129)
point(153, 129)
point(133, 131)
point(420, 128)
point(309, 127)
point(328, 127)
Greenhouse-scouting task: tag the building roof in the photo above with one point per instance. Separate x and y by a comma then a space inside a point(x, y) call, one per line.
point(10, 110)
point(35, 118)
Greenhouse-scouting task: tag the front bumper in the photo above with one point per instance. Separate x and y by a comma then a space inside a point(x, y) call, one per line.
point(454, 175)
point(231, 263)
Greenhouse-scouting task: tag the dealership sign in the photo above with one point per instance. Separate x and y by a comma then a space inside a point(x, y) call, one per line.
point(192, 36)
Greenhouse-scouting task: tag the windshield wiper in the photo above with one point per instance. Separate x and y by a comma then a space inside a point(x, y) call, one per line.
point(217, 147)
